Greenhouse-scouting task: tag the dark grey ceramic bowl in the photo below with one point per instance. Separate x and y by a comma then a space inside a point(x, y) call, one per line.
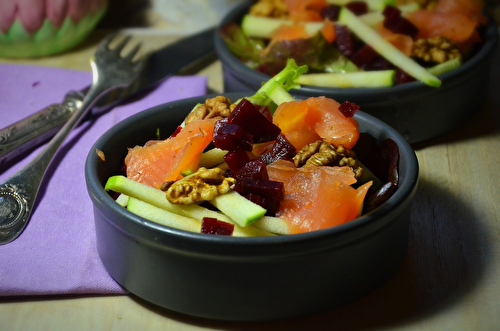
point(415, 110)
point(244, 279)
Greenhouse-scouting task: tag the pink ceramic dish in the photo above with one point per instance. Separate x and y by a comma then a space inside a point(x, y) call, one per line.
point(30, 28)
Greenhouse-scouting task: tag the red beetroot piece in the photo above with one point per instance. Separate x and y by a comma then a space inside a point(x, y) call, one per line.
point(270, 205)
point(265, 111)
point(257, 199)
point(402, 26)
point(176, 132)
point(228, 136)
point(357, 7)
point(402, 77)
point(396, 23)
point(253, 122)
point(344, 40)
point(330, 12)
point(211, 225)
point(391, 12)
point(236, 159)
point(364, 56)
point(268, 189)
point(348, 109)
point(282, 149)
point(380, 63)
point(255, 169)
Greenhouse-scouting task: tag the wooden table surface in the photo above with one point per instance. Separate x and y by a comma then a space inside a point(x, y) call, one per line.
point(449, 280)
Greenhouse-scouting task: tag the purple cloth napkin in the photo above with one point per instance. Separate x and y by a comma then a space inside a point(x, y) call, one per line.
point(56, 253)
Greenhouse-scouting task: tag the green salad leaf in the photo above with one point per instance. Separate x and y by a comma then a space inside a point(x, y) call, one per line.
point(275, 90)
point(248, 49)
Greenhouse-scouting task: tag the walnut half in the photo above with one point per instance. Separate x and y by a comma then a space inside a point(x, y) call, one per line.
point(436, 49)
point(219, 107)
point(320, 153)
point(203, 185)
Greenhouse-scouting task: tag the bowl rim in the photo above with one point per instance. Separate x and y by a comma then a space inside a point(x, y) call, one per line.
point(491, 35)
point(397, 202)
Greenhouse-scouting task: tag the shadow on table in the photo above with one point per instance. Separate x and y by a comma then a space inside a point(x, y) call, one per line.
point(441, 267)
point(484, 123)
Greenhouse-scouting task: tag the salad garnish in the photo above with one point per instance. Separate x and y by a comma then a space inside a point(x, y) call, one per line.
point(271, 166)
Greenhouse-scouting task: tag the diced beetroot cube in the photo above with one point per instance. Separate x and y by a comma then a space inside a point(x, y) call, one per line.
point(267, 189)
point(257, 199)
point(229, 136)
point(281, 150)
point(176, 132)
point(364, 56)
point(380, 63)
point(330, 12)
point(211, 225)
point(357, 7)
point(401, 25)
point(348, 109)
point(255, 169)
point(344, 40)
point(254, 122)
point(225, 228)
point(270, 205)
point(236, 159)
point(396, 23)
point(391, 12)
point(402, 77)
point(265, 110)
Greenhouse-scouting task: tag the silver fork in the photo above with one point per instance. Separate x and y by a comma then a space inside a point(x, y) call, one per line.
point(112, 74)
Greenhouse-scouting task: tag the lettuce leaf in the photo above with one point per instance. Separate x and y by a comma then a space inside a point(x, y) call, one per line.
point(247, 49)
point(275, 90)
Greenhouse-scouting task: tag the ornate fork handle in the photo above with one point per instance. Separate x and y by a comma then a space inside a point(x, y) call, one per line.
point(18, 193)
point(38, 128)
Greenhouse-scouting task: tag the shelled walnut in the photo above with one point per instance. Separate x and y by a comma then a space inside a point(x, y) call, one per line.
point(437, 49)
point(219, 107)
point(269, 8)
point(203, 185)
point(320, 153)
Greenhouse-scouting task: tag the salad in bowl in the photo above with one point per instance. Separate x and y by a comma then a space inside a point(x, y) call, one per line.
point(201, 208)
point(367, 43)
point(265, 165)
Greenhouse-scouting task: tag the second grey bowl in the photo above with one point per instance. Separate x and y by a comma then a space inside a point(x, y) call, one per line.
point(415, 110)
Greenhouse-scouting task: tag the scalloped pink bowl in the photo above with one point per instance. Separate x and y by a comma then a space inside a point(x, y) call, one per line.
point(33, 28)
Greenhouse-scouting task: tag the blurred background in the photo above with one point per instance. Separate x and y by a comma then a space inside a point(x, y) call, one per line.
point(165, 16)
point(155, 23)
point(185, 16)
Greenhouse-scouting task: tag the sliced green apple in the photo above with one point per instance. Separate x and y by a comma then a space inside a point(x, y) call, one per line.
point(386, 49)
point(382, 78)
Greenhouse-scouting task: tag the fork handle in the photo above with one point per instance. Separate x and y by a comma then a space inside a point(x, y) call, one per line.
point(39, 164)
point(18, 193)
point(38, 128)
